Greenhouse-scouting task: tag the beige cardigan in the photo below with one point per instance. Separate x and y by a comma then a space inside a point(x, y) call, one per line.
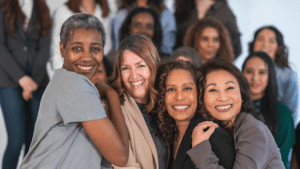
point(142, 151)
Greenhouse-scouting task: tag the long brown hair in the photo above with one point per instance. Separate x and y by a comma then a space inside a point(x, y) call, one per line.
point(158, 5)
point(75, 4)
point(192, 37)
point(14, 12)
point(145, 49)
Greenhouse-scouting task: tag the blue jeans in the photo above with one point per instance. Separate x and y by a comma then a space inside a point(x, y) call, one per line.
point(19, 116)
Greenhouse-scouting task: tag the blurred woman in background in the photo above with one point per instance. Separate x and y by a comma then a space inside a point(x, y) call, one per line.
point(187, 54)
point(270, 40)
point(187, 12)
point(24, 45)
point(211, 39)
point(259, 70)
point(99, 8)
point(167, 21)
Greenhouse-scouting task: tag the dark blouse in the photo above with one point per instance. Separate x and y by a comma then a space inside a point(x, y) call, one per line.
point(159, 142)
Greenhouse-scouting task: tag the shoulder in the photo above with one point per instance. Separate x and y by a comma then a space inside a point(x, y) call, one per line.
point(282, 109)
point(167, 14)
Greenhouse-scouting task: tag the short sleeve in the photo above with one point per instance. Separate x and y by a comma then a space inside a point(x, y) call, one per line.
point(78, 100)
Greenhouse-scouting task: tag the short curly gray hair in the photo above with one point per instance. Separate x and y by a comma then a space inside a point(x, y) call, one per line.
point(78, 21)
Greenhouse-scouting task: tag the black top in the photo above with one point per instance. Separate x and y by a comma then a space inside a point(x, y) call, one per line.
point(221, 142)
point(159, 142)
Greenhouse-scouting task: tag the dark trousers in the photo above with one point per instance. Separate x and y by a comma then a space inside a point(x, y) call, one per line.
point(19, 116)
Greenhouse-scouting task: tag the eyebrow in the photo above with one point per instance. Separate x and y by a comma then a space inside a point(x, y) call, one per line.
point(214, 84)
point(80, 43)
point(183, 84)
point(135, 63)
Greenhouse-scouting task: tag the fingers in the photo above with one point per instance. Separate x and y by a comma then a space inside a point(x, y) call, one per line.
point(207, 124)
point(203, 131)
point(27, 95)
point(27, 83)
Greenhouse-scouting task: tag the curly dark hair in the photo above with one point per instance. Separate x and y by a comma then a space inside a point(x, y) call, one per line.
point(165, 123)
point(157, 37)
point(282, 53)
point(192, 37)
point(221, 64)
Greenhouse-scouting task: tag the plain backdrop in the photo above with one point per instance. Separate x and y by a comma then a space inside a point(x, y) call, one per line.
point(250, 15)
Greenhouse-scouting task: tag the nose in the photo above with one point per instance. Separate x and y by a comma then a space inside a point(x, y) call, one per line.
point(133, 74)
point(179, 95)
point(86, 56)
point(210, 43)
point(223, 96)
point(255, 77)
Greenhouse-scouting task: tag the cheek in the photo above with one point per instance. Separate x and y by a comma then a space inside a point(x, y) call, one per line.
point(256, 46)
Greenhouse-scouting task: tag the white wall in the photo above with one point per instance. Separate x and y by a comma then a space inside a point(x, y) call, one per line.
point(250, 14)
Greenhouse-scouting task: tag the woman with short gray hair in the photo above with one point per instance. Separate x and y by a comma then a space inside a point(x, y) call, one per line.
point(72, 129)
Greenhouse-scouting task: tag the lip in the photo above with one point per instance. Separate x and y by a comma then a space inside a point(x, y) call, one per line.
point(138, 83)
point(181, 107)
point(85, 68)
point(224, 110)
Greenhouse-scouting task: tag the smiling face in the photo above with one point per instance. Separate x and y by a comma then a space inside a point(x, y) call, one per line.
point(142, 23)
point(266, 42)
point(135, 76)
point(257, 74)
point(83, 52)
point(209, 44)
point(222, 96)
point(181, 95)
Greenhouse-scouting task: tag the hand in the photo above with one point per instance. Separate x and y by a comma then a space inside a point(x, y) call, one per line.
point(104, 89)
point(27, 83)
point(27, 94)
point(203, 131)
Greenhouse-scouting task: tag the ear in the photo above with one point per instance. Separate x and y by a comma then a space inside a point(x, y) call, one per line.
point(61, 49)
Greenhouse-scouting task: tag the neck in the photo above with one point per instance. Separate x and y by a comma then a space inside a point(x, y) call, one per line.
point(182, 126)
point(256, 96)
point(141, 3)
point(202, 7)
point(89, 6)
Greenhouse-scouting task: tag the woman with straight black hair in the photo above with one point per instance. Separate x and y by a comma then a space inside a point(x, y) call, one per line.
point(152, 28)
point(24, 47)
point(259, 69)
point(270, 40)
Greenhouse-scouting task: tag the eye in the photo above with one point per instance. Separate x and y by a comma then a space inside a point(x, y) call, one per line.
point(95, 49)
point(137, 25)
point(99, 71)
point(229, 88)
point(77, 49)
point(141, 66)
point(272, 41)
point(187, 88)
point(262, 73)
point(125, 68)
point(212, 90)
point(150, 27)
point(216, 39)
point(248, 71)
point(204, 38)
point(170, 89)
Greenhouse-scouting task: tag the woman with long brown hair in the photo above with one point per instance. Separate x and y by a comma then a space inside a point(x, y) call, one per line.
point(24, 47)
point(211, 39)
point(99, 8)
point(189, 11)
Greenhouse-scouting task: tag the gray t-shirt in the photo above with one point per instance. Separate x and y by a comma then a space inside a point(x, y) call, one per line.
point(59, 139)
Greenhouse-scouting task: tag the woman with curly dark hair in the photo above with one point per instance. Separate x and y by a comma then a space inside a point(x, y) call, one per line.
point(178, 113)
point(259, 70)
point(211, 39)
point(144, 21)
point(133, 78)
point(270, 40)
point(224, 99)
point(189, 11)
point(167, 21)
point(24, 47)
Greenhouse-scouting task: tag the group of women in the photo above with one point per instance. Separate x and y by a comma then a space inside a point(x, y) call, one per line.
point(194, 109)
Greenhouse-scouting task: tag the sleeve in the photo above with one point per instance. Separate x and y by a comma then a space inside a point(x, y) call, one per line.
point(78, 101)
point(41, 59)
point(291, 95)
point(221, 151)
point(285, 138)
point(252, 151)
point(116, 26)
point(10, 66)
point(168, 23)
point(56, 61)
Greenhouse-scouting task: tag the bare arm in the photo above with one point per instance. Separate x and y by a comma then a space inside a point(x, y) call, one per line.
point(110, 135)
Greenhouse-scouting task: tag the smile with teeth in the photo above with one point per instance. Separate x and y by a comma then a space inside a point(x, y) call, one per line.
point(223, 107)
point(135, 84)
point(85, 67)
point(180, 108)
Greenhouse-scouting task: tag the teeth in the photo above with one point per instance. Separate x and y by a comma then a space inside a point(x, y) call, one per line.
point(223, 107)
point(180, 107)
point(85, 67)
point(137, 83)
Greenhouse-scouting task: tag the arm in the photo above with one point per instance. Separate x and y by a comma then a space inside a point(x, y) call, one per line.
point(115, 147)
point(291, 95)
point(168, 24)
